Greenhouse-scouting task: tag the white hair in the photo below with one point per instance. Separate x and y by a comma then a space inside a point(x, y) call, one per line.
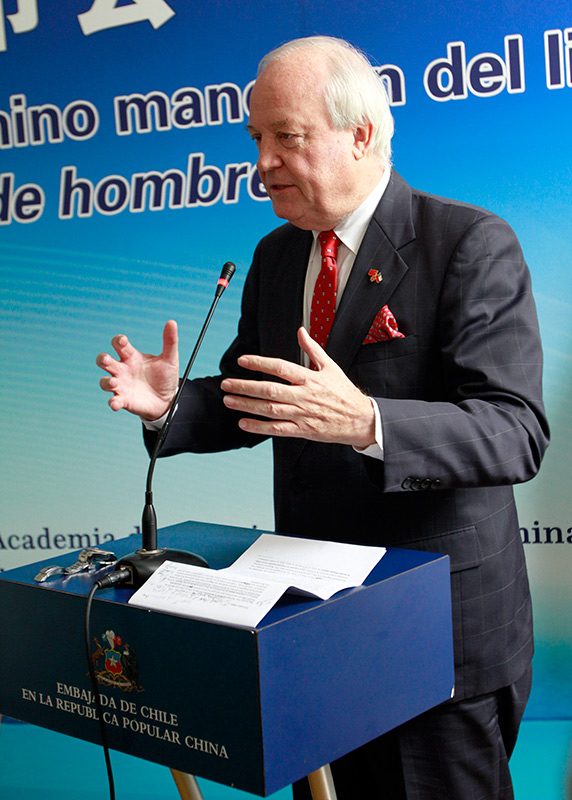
point(354, 92)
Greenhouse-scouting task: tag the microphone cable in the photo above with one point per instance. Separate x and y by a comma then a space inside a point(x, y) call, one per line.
point(113, 579)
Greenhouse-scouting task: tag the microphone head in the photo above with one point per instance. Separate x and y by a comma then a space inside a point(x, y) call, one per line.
point(225, 276)
point(228, 270)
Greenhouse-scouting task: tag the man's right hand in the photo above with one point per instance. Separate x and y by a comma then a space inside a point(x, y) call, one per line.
point(140, 383)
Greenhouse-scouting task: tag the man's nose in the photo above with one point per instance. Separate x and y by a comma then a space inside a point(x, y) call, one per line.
point(268, 156)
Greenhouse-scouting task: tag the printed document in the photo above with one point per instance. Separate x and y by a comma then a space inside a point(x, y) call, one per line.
point(244, 593)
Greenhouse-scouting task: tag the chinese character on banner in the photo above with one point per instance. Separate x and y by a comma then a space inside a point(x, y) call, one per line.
point(105, 14)
point(23, 20)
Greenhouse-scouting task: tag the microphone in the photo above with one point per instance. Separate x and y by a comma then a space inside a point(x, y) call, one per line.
point(228, 270)
point(143, 563)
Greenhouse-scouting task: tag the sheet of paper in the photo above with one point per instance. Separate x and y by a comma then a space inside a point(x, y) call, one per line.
point(244, 593)
point(307, 565)
point(206, 594)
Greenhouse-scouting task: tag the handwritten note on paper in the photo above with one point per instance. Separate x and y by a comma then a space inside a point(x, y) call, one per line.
point(243, 593)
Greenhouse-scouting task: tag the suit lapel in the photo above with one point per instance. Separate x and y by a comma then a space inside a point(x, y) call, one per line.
point(391, 228)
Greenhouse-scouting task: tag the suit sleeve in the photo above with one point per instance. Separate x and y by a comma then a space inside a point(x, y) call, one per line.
point(489, 429)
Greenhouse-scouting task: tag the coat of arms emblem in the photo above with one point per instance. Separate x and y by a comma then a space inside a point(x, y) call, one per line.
point(115, 663)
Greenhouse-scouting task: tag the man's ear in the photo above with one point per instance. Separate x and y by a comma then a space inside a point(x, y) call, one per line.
point(362, 140)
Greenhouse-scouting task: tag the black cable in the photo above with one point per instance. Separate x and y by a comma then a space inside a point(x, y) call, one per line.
point(112, 579)
point(149, 521)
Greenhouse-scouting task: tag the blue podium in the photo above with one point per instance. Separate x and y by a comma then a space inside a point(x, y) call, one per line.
point(255, 709)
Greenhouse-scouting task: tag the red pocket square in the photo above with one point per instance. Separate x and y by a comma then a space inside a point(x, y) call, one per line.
point(384, 327)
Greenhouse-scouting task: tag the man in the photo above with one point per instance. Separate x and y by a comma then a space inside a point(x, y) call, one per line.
point(412, 424)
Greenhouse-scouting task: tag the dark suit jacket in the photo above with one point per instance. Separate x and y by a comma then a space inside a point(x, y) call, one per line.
point(460, 402)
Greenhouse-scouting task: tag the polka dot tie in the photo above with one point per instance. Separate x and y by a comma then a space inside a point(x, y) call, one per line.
point(323, 307)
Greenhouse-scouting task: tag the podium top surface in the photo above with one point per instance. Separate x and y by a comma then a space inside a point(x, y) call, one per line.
point(220, 545)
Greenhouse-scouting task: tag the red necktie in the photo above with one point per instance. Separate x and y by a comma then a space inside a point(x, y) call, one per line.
point(324, 298)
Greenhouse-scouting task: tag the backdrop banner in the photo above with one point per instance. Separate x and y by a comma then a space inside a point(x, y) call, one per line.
point(127, 179)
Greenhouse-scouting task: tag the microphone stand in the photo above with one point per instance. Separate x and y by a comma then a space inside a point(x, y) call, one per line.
point(143, 562)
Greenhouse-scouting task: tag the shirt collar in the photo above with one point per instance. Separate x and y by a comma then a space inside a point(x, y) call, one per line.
point(352, 229)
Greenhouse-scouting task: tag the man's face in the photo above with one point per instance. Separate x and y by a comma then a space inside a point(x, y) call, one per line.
point(308, 168)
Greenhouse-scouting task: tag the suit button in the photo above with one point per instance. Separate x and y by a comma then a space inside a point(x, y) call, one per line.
point(416, 484)
point(406, 484)
point(436, 483)
point(426, 483)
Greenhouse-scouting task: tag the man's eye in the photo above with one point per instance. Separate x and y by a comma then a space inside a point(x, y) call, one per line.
point(288, 139)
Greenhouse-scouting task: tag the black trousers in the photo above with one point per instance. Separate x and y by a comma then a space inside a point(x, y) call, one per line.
point(456, 751)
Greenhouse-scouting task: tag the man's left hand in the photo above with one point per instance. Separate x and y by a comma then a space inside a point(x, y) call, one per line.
point(322, 405)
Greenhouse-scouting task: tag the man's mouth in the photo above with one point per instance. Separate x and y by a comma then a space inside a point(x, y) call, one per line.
point(279, 187)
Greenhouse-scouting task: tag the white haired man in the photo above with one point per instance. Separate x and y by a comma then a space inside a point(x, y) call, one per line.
point(410, 426)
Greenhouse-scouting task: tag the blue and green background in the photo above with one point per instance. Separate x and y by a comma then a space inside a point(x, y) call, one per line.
point(69, 467)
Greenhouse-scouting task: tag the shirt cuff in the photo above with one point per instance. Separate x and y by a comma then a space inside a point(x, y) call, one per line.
point(154, 424)
point(374, 450)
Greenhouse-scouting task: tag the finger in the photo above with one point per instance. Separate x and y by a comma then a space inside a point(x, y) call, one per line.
point(115, 403)
point(286, 370)
point(103, 360)
point(171, 342)
point(123, 346)
point(108, 384)
point(262, 408)
point(106, 362)
point(315, 353)
point(264, 428)
point(270, 390)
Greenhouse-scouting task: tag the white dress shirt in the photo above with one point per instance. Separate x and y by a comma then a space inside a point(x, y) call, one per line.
point(350, 232)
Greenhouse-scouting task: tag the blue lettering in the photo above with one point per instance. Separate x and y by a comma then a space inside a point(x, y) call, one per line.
point(70, 189)
point(486, 74)
point(188, 108)
point(155, 183)
point(215, 96)
point(234, 173)
point(255, 186)
point(444, 79)
point(204, 184)
point(138, 107)
point(37, 125)
point(24, 204)
point(394, 81)
point(111, 195)
point(558, 58)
